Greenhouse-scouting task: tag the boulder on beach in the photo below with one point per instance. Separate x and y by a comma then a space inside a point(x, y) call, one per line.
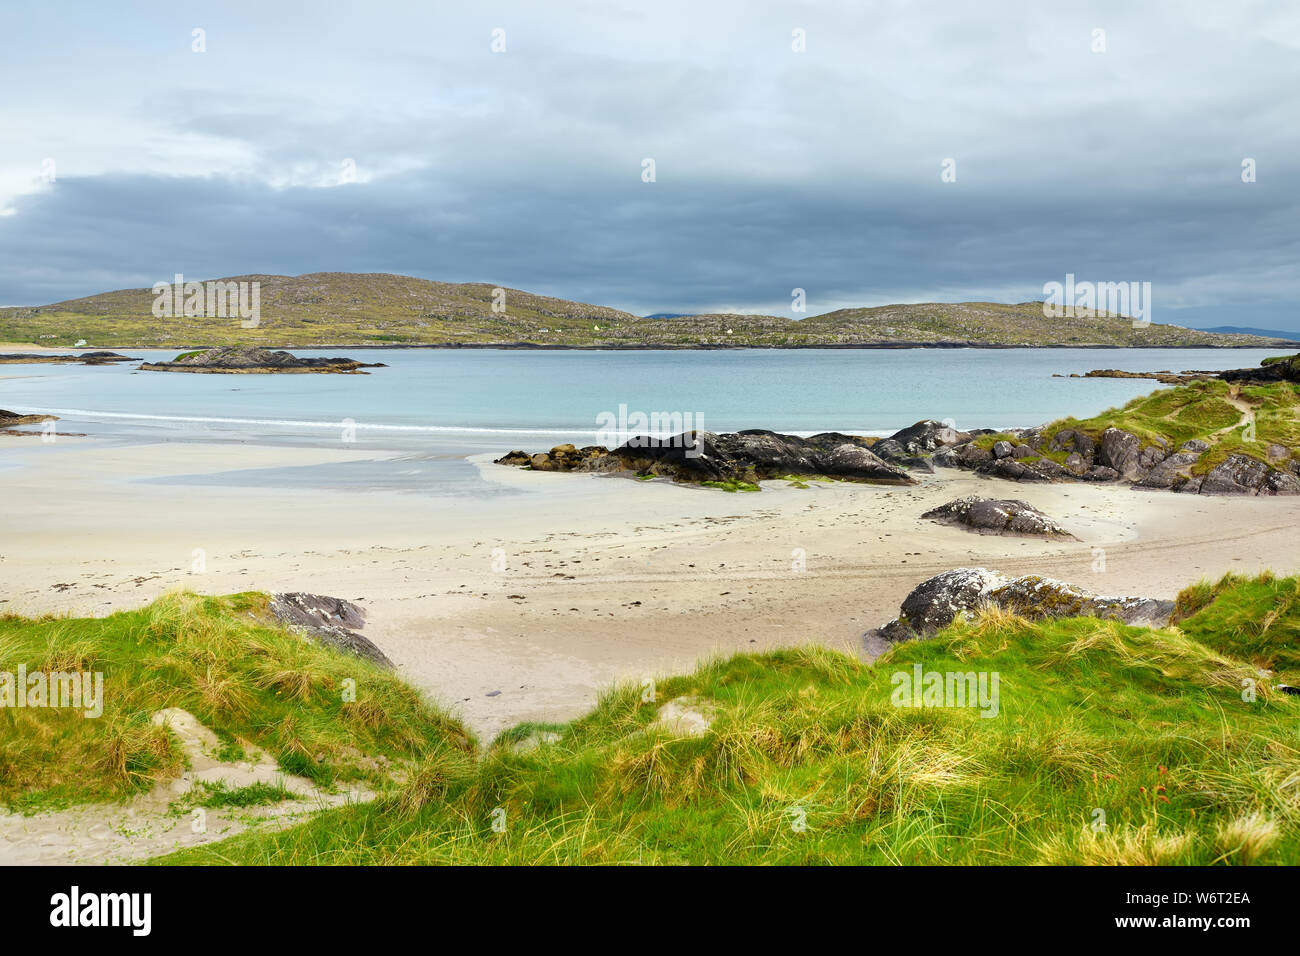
point(997, 516)
point(330, 621)
point(935, 602)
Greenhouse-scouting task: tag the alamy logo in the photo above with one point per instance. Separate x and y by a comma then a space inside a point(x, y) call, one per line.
point(923, 688)
point(84, 692)
point(103, 909)
point(209, 300)
point(642, 430)
point(1069, 299)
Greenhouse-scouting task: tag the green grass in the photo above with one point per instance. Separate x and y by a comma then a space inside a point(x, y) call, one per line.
point(225, 661)
point(1149, 726)
point(1201, 410)
point(340, 309)
point(253, 795)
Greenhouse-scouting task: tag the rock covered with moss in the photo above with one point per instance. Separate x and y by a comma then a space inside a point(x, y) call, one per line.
point(934, 603)
point(236, 360)
point(745, 457)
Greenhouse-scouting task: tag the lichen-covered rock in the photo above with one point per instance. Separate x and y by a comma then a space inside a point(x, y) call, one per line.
point(1171, 471)
point(1243, 475)
point(1100, 473)
point(1076, 464)
point(1070, 440)
point(331, 621)
point(1001, 449)
point(920, 439)
point(1121, 451)
point(934, 603)
point(1012, 469)
point(1033, 596)
point(971, 454)
point(997, 516)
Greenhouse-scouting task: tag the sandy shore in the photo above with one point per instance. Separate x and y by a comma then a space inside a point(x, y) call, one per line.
point(604, 578)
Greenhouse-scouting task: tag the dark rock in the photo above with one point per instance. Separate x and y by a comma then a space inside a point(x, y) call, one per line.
point(1235, 475)
point(233, 359)
point(750, 455)
point(1051, 470)
point(1022, 451)
point(922, 438)
point(971, 454)
point(330, 621)
point(1170, 471)
point(1150, 456)
point(1002, 449)
point(997, 516)
point(1120, 450)
point(1076, 464)
point(1280, 483)
point(1100, 473)
point(934, 603)
point(1011, 469)
point(1074, 441)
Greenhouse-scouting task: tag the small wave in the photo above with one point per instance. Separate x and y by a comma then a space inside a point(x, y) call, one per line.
point(377, 426)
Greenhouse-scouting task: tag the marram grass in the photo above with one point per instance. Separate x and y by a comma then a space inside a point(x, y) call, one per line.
point(1113, 745)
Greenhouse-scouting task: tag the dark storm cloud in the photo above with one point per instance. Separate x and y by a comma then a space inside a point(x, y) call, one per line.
point(775, 170)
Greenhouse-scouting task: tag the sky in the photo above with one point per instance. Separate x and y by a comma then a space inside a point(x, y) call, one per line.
point(865, 152)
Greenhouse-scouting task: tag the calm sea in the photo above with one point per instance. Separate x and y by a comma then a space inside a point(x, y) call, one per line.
point(429, 409)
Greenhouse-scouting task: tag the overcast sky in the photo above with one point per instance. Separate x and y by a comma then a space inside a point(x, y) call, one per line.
point(774, 168)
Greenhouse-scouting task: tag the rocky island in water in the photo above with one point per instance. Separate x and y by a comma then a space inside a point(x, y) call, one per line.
point(238, 360)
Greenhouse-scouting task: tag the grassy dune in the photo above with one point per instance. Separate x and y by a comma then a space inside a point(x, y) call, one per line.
point(225, 661)
point(1213, 411)
point(332, 308)
point(808, 760)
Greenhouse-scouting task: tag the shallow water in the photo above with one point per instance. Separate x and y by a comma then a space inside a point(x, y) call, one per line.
point(430, 408)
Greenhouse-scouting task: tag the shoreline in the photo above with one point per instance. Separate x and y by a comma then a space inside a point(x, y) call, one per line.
point(535, 347)
point(527, 606)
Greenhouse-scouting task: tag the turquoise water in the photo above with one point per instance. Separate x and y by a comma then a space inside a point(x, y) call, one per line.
point(429, 409)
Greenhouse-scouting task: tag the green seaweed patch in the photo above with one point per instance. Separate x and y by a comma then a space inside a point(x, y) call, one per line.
point(731, 485)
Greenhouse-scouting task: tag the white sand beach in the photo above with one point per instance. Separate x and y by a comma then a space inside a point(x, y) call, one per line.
point(604, 578)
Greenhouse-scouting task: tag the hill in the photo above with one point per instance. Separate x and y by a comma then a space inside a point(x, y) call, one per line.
point(1248, 330)
point(350, 310)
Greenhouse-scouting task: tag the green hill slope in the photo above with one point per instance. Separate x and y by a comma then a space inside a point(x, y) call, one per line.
point(341, 309)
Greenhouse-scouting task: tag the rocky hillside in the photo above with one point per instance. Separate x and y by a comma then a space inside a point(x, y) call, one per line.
point(347, 309)
point(1238, 434)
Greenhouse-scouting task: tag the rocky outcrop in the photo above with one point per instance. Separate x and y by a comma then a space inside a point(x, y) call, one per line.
point(1281, 369)
point(749, 456)
point(9, 419)
point(934, 603)
point(997, 516)
point(236, 360)
point(330, 621)
point(47, 358)
point(1027, 455)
